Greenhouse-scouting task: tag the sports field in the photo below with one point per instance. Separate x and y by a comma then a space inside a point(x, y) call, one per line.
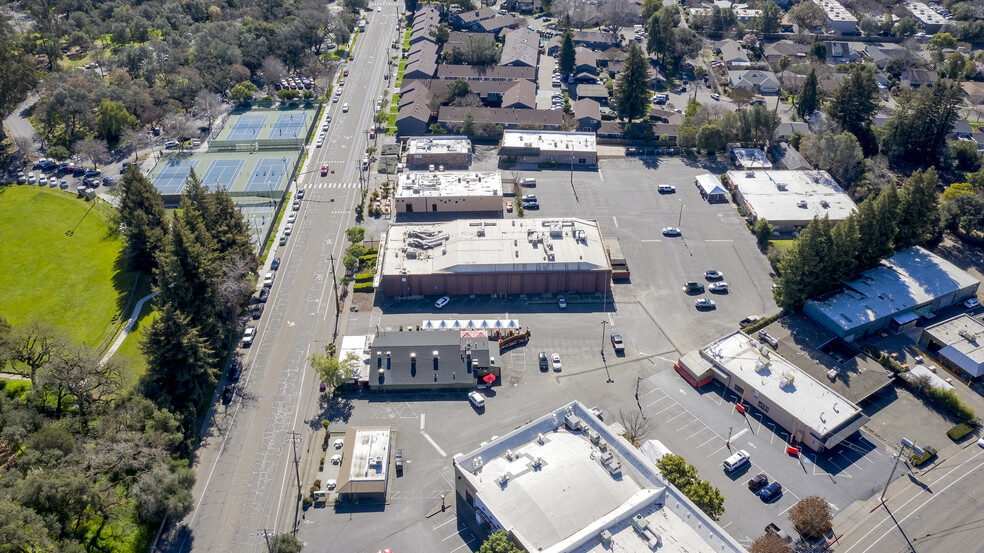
point(264, 173)
point(267, 125)
point(62, 263)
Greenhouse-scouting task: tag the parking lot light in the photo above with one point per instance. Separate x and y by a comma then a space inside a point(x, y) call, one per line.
point(905, 444)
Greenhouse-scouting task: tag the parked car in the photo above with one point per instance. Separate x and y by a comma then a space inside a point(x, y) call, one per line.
point(109, 181)
point(713, 274)
point(171, 144)
point(715, 96)
point(972, 303)
point(268, 279)
point(256, 312)
point(249, 335)
point(666, 189)
point(671, 231)
point(758, 481)
point(442, 301)
point(544, 363)
point(562, 302)
point(749, 320)
point(770, 491)
point(227, 393)
point(275, 264)
point(704, 303)
point(235, 369)
point(528, 183)
point(292, 216)
point(345, 108)
point(737, 460)
point(693, 287)
point(283, 241)
point(399, 455)
point(617, 342)
point(529, 197)
point(531, 205)
point(476, 399)
point(264, 295)
point(555, 361)
point(720, 287)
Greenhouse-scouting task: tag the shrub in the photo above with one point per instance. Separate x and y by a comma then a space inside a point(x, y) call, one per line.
point(871, 350)
point(928, 453)
point(811, 517)
point(949, 400)
point(762, 323)
point(769, 543)
point(317, 484)
point(960, 430)
point(363, 287)
point(362, 277)
point(890, 364)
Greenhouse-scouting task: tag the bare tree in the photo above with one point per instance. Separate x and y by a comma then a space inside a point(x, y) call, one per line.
point(77, 372)
point(210, 104)
point(94, 149)
point(235, 286)
point(178, 127)
point(614, 13)
point(35, 346)
point(577, 9)
point(741, 96)
point(636, 425)
point(135, 140)
point(273, 70)
point(25, 145)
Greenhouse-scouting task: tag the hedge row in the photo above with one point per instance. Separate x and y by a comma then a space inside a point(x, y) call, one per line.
point(363, 287)
point(363, 277)
point(761, 323)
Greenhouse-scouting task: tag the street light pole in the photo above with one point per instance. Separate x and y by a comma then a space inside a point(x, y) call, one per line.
point(904, 444)
point(603, 323)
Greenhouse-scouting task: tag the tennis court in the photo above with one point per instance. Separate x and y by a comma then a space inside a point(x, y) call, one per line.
point(289, 126)
point(222, 172)
point(248, 126)
point(173, 174)
point(266, 171)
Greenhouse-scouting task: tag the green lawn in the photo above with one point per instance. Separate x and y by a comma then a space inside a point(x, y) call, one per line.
point(129, 350)
point(782, 245)
point(62, 263)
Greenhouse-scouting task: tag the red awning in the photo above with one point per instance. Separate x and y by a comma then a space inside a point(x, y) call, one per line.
point(489, 378)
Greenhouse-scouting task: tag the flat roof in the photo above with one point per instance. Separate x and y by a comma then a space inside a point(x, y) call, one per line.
point(924, 13)
point(782, 382)
point(558, 496)
point(910, 278)
point(365, 460)
point(417, 184)
point(485, 246)
point(801, 342)
point(751, 158)
point(835, 11)
point(963, 337)
point(792, 195)
point(550, 140)
point(438, 145)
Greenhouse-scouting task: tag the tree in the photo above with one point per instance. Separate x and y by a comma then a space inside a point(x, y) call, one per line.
point(741, 96)
point(498, 542)
point(818, 51)
point(923, 119)
point(355, 6)
point(854, 103)
point(161, 493)
point(566, 60)
point(956, 190)
point(286, 543)
point(441, 33)
point(273, 70)
point(706, 497)
point(34, 346)
point(112, 120)
point(22, 528)
point(636, 425)
point(77, 371)
point(838, 154)
point(939, 43)
point(877, 219)
point(676, 470)
point(287, 95)
point(632, 86)
point(763, 230)
point(211, 104)
point(142, 213)
point(93, 149)
point(811, 517)
point(332, 371)
point(468, 124)
point(355, 235)
point(476, 50)
point(805, 269)
point(242, 92)
point(179, 358)
point(844, 250)
point(808, 15)
point(905, 27)
point(868, 26)
point(710, 138)
point(963, 213)
point(809, 98)
point(918, 210)
point(135, 140)
point(769, 21)
point(650, 7)
point(770, 543)
point(59, 153)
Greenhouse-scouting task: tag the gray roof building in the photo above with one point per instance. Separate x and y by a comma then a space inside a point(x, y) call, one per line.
point(466, 19)
point(521, 48)
point(959, 344)
point(485, 73)
point(587, 112)
point(509, 118)
point(764, 82)
point(522, 94)
point(433, 359)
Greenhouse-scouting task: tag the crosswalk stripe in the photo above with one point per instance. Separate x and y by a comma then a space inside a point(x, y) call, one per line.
point(323, 185)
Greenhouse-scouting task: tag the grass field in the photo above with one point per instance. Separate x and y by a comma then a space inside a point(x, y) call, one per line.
point(62, 263)
point(129, 350)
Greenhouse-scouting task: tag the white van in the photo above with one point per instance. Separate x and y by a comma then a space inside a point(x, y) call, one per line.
point(476, 399)
point(736, 461)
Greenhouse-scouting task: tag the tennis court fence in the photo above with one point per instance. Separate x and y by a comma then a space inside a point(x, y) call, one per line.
point(255, 145)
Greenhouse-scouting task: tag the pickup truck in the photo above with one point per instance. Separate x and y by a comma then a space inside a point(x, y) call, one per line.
point(399, 462)
point(778, 532)
point(617, 342)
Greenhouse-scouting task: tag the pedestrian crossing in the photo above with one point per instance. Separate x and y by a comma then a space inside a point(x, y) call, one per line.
point(319, 185)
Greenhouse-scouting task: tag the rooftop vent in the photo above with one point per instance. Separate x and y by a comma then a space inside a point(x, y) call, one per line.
point(787, 380)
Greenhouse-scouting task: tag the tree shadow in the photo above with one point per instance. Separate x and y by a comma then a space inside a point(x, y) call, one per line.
point(334, 407)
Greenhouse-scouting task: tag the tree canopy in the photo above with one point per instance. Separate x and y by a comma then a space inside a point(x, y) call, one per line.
point(632, 86)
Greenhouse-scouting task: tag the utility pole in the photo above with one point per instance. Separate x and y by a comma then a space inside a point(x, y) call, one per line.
point(267, 536)
point(334, 283)
point(297, 467)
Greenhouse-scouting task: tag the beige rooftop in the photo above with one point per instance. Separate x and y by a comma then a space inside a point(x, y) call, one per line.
point(468, 246)
point(438, 144)
point(549, 141)
point(448, 184)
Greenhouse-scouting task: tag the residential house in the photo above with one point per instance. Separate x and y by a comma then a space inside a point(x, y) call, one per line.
point(422, 33)
point(468, 19)
point(790, 80)
point(743, 14)
point(509, 118)
point(491, 93)
point(774, 51)
point(731, 53)
point(497, 25)
point(524, 6)
point(597, 92)
point(421, 62)
point(763, 82)
point(916, 78)
point(485, 73)
point(978, 138)
point(522, 94)
point(521, 48)
point(973, 92)
point(414, 113)
point(882, 53)
point(615, 67)
point(844, 52)
point(961, 130)
point(610, 56)
point(585, 61)
point(587, 113)
point(667, 116)
point(786, 129)
point(595, 40)
point(457, 39)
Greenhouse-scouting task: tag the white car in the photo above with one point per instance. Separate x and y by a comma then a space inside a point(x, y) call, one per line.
point(972, 303)
point(666, 189)
point(288, 228)
point(704, 303)
point(345, 107)
point(334, 99)
point(248, 336)
point(555, 361)
point(718, 287)
point(562, 302)
point(715, 96)
point(292, 216)
point(476, 399)
point(671, 231)
point(268, 279)
point(440, 303)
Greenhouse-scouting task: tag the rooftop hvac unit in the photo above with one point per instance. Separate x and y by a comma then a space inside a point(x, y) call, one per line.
point(801, 203)
point(538, 462)
point(539, 439)
point(966, 335)
point(509, 455)
point(787, 380)
point(605, 537)
point(781, 185)
point(477, 462)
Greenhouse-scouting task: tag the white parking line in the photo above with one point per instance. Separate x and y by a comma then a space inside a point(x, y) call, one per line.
point(663, 409)
point(463, 545)
point(686, 425)
point(674, 418)
point(713, 453)
point(708, 441)
point(690, 437)
point(446, 522)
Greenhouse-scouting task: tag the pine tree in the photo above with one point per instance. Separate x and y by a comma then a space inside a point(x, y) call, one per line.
point(887, 214)
point(854, 103)
point(567, 58)
point(632, 86)
point(806, 268)
point(809, 98)
point(142, 214)
point(844, 250)
point(179, 358)
point(918, 210)
point(228, 228)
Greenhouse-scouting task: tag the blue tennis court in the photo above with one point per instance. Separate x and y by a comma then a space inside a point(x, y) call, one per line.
point(172, 177)
point(289, 126)
point(222, 172)
point(248, 127)
point(269, 172)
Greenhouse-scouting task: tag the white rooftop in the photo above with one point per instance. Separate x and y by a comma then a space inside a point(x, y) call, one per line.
point(751, 158)
point(370, 455)
point(710, 184)
point(782, 382)
point(448, 184)
point(438, 144)
point(964, 339)
point(792, 195)
point(550, 140)
point(910, 278)
point(358, 346)
point(475, 246)
point(558, 496)
point(924, 13)
point(835, 11)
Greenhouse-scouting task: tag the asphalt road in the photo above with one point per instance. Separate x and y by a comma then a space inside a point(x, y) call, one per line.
point(245, 463)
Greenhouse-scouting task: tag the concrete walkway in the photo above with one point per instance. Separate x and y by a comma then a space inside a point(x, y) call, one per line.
point(126, 330)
